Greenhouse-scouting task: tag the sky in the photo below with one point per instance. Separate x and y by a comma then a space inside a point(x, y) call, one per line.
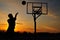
point(45, 23)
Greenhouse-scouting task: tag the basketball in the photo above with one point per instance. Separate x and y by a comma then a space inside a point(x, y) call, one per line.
point(23, 2)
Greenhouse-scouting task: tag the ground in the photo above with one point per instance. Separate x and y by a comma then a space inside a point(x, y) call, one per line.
point(29, 36)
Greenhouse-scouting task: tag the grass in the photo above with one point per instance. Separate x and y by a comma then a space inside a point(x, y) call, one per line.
point(28, 36)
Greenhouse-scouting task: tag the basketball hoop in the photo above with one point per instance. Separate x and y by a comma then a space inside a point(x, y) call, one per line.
point(36, 9)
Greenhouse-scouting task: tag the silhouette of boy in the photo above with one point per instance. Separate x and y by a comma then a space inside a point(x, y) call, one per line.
point(11, 22)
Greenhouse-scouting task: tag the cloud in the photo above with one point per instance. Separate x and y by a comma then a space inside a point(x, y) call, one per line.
point(54, 6)
point(49, 29)
point(3, 24)
point(19, 23)
point(43, 28)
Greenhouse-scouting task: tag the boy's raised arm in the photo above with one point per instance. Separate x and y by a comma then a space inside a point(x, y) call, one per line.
point(16, 14)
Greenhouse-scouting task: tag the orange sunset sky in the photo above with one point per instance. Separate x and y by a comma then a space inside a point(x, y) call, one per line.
point(45, 23)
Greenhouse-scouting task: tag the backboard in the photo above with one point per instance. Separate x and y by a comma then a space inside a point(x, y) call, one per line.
point(37, 7)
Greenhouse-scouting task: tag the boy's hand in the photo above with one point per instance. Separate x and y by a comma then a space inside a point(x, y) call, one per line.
point(16, 13)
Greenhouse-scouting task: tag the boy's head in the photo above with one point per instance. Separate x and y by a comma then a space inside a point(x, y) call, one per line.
point(10, 16)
